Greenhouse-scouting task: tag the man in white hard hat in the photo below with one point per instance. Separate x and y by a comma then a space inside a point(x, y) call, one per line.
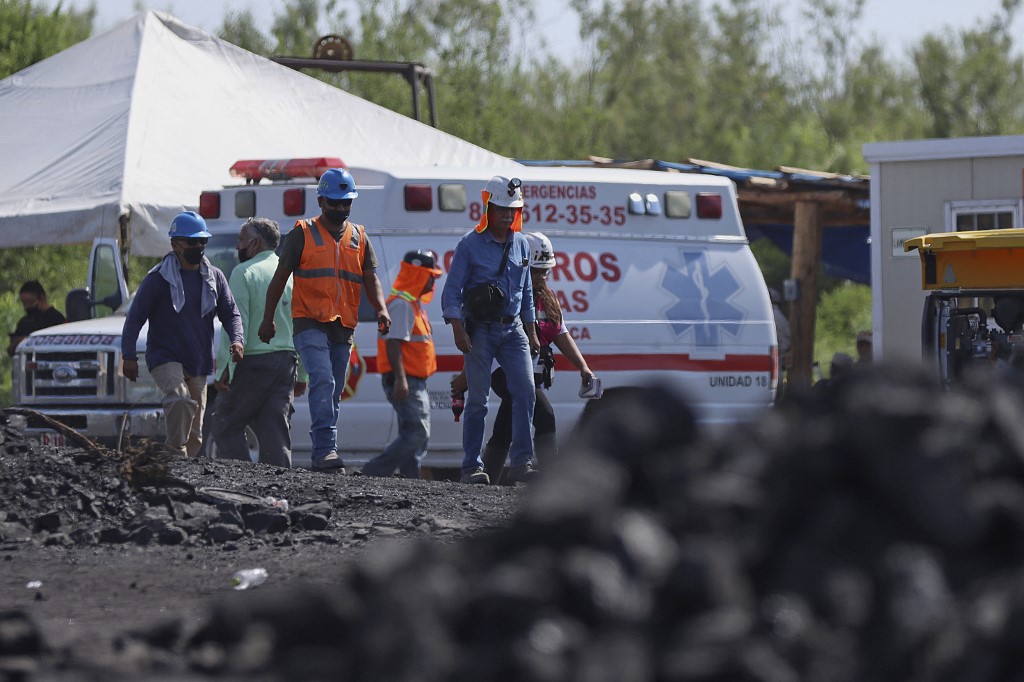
point(488, 300)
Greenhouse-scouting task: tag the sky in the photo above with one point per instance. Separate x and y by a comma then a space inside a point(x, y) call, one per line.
point(898, 23)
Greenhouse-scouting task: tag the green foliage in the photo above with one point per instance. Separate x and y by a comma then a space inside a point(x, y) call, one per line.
point(773, 261)
point(970, 82)
point(239, 28)
point(666, 79)
point(841, 313)
point(671, 79)
point(29, 33)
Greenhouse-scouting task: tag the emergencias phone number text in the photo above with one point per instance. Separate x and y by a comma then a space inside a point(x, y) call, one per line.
point(566, 213)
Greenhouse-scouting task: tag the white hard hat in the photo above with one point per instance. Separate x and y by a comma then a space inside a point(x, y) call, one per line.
point(505, 192)
point(542, 254)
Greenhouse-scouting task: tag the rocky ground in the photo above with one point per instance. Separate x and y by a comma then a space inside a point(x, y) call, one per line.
point(97, 547)
point(871, 533)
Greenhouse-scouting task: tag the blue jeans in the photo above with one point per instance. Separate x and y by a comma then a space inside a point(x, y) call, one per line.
point(507, 343)
point(327, 365)
point(409, 447)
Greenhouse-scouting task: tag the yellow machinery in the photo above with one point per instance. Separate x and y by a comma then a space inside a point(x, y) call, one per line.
point(974, 316)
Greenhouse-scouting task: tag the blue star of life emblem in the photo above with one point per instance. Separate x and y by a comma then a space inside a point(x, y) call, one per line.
point(702, 299)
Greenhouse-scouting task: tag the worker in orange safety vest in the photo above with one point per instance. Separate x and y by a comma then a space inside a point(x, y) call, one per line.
point(332, 260)
point(405, 360)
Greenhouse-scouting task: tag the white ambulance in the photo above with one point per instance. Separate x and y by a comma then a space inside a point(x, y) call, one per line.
point(654, 274)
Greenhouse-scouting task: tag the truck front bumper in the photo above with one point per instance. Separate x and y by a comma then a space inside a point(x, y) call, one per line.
point(101, 425)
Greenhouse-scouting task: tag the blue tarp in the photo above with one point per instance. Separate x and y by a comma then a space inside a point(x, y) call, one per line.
point(845, 251)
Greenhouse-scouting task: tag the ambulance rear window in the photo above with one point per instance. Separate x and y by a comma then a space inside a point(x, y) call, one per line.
point(451, 197)
point(245, 204)
point(678, 204)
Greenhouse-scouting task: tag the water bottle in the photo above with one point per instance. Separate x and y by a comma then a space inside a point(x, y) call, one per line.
point(458, 404)
point(249, 577)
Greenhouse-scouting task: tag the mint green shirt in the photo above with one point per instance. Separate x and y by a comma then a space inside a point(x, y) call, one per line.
point(249, 283)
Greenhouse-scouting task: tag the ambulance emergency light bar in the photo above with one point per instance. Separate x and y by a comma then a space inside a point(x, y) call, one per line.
point(254, 170)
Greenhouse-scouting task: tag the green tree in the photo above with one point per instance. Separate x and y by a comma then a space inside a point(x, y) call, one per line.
point(389, 31)
point(478, 77)
point(30, 33)
point(239, 28)
point(646, 85)
point(841, 313)
point(750, 108)
point(970, 81)
point(853, 90)
point(296, 29)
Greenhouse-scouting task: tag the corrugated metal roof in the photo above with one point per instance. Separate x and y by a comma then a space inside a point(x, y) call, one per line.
point(782, 174)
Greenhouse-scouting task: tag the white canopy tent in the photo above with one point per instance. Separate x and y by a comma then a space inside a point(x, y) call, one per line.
point(138, 120)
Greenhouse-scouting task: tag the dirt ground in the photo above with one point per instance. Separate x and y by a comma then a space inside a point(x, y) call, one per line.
point(870, 532)
point(88, 558)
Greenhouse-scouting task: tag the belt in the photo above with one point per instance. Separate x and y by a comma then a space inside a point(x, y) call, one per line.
point(506, 319)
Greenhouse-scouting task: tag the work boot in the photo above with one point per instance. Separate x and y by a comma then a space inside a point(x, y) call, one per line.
point(524, 473)
point(331, 463)
point(476, 476)
point(494, 462)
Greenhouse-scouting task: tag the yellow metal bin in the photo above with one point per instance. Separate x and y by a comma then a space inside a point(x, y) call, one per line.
point(985, 259)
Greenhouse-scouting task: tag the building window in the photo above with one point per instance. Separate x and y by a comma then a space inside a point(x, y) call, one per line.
point(967, 216)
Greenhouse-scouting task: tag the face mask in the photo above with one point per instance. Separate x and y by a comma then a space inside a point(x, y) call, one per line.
point(194, 255)
point(337, 216)
point(244, 254)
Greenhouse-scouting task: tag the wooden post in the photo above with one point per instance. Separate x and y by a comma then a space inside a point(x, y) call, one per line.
point(804, 269)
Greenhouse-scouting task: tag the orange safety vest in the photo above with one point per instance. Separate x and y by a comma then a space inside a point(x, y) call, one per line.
point(329, 278)
point(418, 357)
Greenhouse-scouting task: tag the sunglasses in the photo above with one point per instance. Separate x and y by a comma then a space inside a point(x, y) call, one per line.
point(193, 241)
point(337, 203)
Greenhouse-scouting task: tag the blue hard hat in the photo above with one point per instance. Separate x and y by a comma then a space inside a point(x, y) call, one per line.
point(188, 224)
point(337, 183)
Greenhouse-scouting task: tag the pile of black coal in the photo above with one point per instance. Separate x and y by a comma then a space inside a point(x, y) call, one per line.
point(872, 534)
point(81, 496)
point(58, 495)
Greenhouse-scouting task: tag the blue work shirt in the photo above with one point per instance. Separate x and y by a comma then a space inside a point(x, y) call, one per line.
point(185, 337)
point(476, 261)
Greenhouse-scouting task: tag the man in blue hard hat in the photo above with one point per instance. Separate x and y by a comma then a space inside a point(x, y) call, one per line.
point(331, 260)
point(179, 299)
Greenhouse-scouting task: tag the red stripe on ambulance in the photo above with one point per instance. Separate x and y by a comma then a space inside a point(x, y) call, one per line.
point(623, 362)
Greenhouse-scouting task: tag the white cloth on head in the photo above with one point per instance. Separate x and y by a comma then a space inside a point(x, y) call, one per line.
point(170, 269)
